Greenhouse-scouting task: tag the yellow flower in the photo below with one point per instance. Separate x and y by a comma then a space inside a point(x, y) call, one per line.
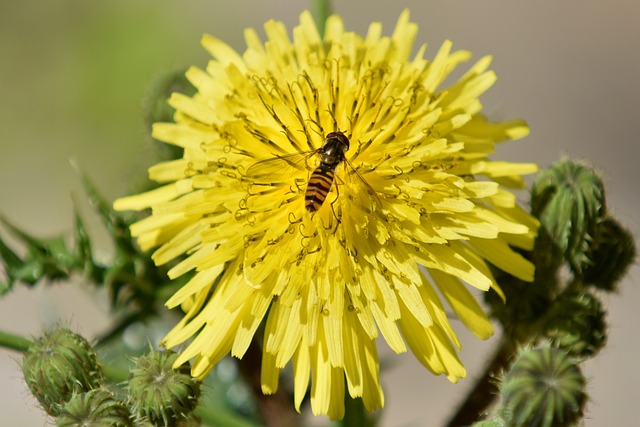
point(415, 207)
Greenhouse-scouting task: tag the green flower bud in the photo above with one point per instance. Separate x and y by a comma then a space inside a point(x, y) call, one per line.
point(543, 388)
point(95, 408)
point(614, 251)
point(159, 394)
point(569, 200)
point(493, 422)
point(188, 421)
point(57, 365)
point(577, 325)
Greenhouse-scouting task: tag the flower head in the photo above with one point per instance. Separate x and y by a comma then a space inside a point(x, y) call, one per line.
point(318, 175)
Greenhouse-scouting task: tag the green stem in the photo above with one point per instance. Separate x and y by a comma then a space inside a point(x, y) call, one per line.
point(276, 409)
point(222, 417)
point(14, 342)
point(355, 414)
point(321, 11)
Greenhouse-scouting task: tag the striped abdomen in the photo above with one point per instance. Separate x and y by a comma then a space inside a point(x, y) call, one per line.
point(318, 187)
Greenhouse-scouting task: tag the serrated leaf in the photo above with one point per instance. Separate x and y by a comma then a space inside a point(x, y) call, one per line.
point(118, 228)
point(83, 242)
point(45, 258)
point(5, 287)
point(31, 242)
point(11, 260)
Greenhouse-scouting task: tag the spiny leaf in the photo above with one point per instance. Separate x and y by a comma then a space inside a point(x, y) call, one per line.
point(45, 257)
point(117, 226)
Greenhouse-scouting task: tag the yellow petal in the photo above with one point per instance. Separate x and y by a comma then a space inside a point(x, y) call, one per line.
point(463, 304)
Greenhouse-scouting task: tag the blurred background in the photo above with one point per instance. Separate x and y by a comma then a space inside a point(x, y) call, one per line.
point(74, 75)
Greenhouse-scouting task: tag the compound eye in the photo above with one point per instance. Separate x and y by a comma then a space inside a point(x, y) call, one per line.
point(344, 140)
point(340, 137)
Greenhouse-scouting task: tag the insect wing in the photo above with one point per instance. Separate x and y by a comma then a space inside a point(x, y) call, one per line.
point(276, 169)
point(374, 200)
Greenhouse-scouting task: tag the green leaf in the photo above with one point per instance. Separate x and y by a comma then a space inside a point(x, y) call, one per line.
point(11, 263)
point(321, 11)
point(117, 226)
point(45, 258)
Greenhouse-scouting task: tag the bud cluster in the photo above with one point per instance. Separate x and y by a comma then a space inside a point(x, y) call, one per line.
point(569, 199)
point(581, 251)
point(63, 373)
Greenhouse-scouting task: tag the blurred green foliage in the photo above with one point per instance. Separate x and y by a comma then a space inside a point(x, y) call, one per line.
point(74, 77)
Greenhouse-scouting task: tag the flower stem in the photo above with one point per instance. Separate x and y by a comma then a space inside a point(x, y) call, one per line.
point(355, 414)
point(276, 410)
point(14, 342)
point(222, 417)
point(485, 390)
point(322, 10)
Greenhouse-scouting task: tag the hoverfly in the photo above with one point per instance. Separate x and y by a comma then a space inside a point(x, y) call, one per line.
point(332, 154)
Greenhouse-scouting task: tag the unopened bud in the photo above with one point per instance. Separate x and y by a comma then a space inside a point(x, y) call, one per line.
point(614, 251)
point(159, 394)
point(577, 325)
point(569, 200)
point(543, 388)
point(58, 365)
point(493, 422)
point(95, 408)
